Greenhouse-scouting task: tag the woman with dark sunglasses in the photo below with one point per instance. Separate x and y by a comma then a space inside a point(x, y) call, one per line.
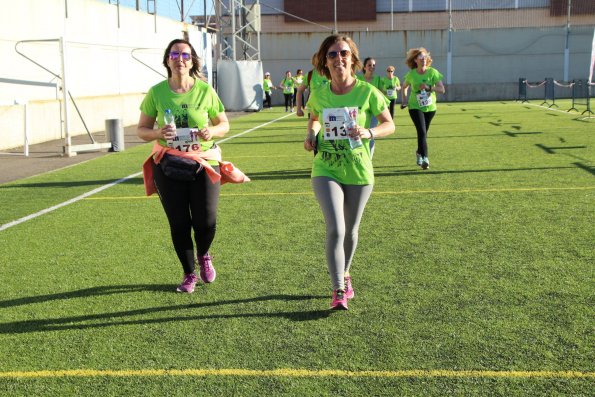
point(342, 173)
point(425, 82)
point(190, 202)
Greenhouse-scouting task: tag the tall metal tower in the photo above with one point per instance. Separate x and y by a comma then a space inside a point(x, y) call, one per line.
point(238, 33)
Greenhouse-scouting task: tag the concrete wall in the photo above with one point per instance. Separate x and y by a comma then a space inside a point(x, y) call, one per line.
point(486, 63)
point(107, 79)
point(102, 73)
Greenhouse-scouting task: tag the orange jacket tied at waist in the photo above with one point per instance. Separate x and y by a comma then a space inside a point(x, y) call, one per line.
point(228, 172)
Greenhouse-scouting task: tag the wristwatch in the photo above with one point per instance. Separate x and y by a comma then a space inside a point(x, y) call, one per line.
point(371, 130)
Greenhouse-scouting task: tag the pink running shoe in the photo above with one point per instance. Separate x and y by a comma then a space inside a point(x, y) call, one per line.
point(349, 292)
point(188, 283)
point(339, 301)
point(207, 271)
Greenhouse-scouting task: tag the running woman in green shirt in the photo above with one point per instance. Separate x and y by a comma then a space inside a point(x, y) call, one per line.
point(390, 87)
point(287, 85)
point(342, 173)
point(369, 76)
point(425, 82)
point(189, 205)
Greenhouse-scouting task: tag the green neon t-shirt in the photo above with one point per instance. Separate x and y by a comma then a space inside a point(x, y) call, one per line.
point(316, 80)
point(376, 80)
point(267, 85)
point(335, 158)
point(389, 87)
point(288, 85)
point(191, 109)
point(414, 79)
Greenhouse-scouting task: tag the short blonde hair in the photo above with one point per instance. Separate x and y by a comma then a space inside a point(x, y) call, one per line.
point(414, 53)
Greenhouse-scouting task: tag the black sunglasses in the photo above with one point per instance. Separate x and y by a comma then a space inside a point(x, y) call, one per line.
point(333, 54)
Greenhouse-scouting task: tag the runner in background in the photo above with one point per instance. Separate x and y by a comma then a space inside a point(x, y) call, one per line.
point(312, 81)
point(391, 85)
point(369, 76)
point(425, 82)
point(287, 85)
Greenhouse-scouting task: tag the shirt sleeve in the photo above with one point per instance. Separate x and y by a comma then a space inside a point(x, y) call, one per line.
point(148, 105)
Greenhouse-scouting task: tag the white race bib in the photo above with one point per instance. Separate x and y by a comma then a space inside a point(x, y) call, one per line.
point(186, 140)
point(390, 92)
point(424, 99)
point(335, 120)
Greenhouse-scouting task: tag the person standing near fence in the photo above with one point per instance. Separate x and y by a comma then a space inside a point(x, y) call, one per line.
point(390, 87)
point(425, 82)
point(342, 173)
point(185, 166)
point(287, 85)
point(267, 87)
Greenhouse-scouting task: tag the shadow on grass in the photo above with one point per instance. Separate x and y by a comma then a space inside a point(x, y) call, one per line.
point(97, 183)
point(130, 317)
point(381, 171)
point(286, 174)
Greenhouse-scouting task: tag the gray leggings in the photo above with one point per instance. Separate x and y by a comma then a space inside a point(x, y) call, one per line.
point(342, 207)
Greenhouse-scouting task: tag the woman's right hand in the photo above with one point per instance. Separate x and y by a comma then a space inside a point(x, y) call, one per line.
point(168, 132)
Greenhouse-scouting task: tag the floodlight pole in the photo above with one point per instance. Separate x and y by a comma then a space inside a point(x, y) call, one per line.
point(68, 149)
point(392, 18)
point(233, 28)
point(335, 30)
point(449, 50)
point(566, 48)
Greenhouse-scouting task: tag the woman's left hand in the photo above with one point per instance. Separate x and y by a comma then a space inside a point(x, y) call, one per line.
point(360, 132)
point(205, 134)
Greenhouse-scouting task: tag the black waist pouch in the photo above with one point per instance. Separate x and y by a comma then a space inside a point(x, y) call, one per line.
point(179, 168)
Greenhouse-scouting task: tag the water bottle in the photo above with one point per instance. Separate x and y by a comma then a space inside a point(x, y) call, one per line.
point(169, 118)
point(353, 142)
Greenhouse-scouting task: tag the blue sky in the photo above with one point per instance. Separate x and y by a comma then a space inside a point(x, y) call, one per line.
point(171, 8)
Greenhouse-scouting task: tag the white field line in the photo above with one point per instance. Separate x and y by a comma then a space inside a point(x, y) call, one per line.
point(555, 110)
point(65, 203)
point(99, 189)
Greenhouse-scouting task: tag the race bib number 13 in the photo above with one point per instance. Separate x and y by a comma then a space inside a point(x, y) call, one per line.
point(335, 120)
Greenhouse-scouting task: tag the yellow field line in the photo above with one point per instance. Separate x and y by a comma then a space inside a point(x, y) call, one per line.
point(300, 373)
point(308, 193)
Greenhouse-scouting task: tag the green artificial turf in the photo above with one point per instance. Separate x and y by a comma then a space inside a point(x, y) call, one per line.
point(484, 262)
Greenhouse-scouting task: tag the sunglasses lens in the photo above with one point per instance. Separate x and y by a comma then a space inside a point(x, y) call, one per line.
point(334, 54)
point(174, 55)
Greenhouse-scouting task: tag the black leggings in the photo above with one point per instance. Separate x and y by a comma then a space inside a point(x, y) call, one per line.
point(288, 101)
point(267, 99)
point(391, 107)
point(189, 206)
point(422, 121)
